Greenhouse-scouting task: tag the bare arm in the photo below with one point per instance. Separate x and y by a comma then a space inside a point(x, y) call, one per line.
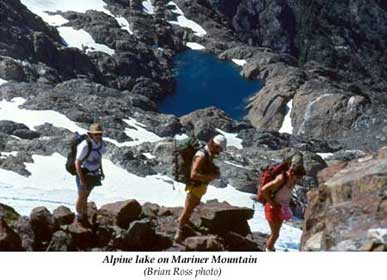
point(272, 186)
point(195, 175)
point(80, 173)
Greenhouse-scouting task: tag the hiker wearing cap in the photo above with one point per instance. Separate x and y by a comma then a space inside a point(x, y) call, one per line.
point(277, 195)
point(203, 171)
point(88, 166)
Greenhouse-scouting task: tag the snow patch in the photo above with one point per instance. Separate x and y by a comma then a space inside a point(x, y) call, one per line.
point(139, 133)
point(287, 123)
point(185, 22)
point(124, 24)
point(2, 81)
point(195, 46)
point(9, 110)
point(232, 139)
point(149, 155)
point(44, 6)
point(181, 136)
point(81, 39)
point(234, 164)
point(4, 155)
point(239, 62)
point(148, 7)
point(46, 9)
point(325, 155)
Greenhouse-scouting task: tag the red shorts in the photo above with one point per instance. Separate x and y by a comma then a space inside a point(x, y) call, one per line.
point(277, 213)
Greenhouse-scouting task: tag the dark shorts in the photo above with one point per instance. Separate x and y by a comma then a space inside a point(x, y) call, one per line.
point(82, 188)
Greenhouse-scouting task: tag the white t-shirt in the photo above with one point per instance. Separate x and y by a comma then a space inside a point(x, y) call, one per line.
point(93, 161)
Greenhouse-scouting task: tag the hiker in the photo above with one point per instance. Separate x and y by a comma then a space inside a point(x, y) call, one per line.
point(277, 194)
point(88, 166)
point(203, 170)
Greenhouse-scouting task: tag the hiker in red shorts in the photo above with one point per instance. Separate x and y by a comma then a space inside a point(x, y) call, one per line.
point(277, 194)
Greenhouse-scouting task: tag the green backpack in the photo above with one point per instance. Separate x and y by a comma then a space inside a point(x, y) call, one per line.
point(184, 151)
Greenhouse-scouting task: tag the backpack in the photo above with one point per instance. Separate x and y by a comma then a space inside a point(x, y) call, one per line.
point(269, 174)
point(183, 154)
point(75, 141)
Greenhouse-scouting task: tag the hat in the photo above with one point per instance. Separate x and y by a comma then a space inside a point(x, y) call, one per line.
point(221, 141)
point(95, 128)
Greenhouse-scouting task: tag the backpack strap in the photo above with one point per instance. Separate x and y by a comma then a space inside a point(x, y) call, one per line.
point(89, 149)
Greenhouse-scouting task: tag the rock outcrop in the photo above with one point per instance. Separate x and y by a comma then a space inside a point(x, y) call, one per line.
point(348, 212)
point(128, 226)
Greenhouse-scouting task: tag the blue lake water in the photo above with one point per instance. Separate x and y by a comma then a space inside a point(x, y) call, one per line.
point(203, 81)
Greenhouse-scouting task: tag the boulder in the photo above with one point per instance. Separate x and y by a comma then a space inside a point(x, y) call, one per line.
point(202, 123)
point(140, 236)
point(24, 230)
point(61, 241)
point(204, 243)
point(260, 239)
point(237, 242)
point(9, 240)
point(11, 70)
point(120, 213)
point(150, 209)
point(9, 214)
point(9, 127)
point(42, 224)
point(26, 134)
point(220, 218)
point(63, 216)
point(83, 238)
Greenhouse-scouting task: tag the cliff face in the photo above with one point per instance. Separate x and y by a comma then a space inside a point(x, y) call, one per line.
point(349, 210)
point(349, 36)
point(341, 64)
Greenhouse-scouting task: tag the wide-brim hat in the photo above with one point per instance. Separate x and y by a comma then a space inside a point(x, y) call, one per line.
point(95, 128)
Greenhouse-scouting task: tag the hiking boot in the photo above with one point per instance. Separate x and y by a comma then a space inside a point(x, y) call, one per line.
point(270, 250)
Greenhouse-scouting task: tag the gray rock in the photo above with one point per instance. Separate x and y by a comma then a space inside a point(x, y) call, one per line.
point(9, 127)
point(119, 213)
point(61, 241)
point(9, 214)
point(139, 236)
point(204, 243)
point(42, 224)
point(24, 229)
point(63, 216)
point(9, 240)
